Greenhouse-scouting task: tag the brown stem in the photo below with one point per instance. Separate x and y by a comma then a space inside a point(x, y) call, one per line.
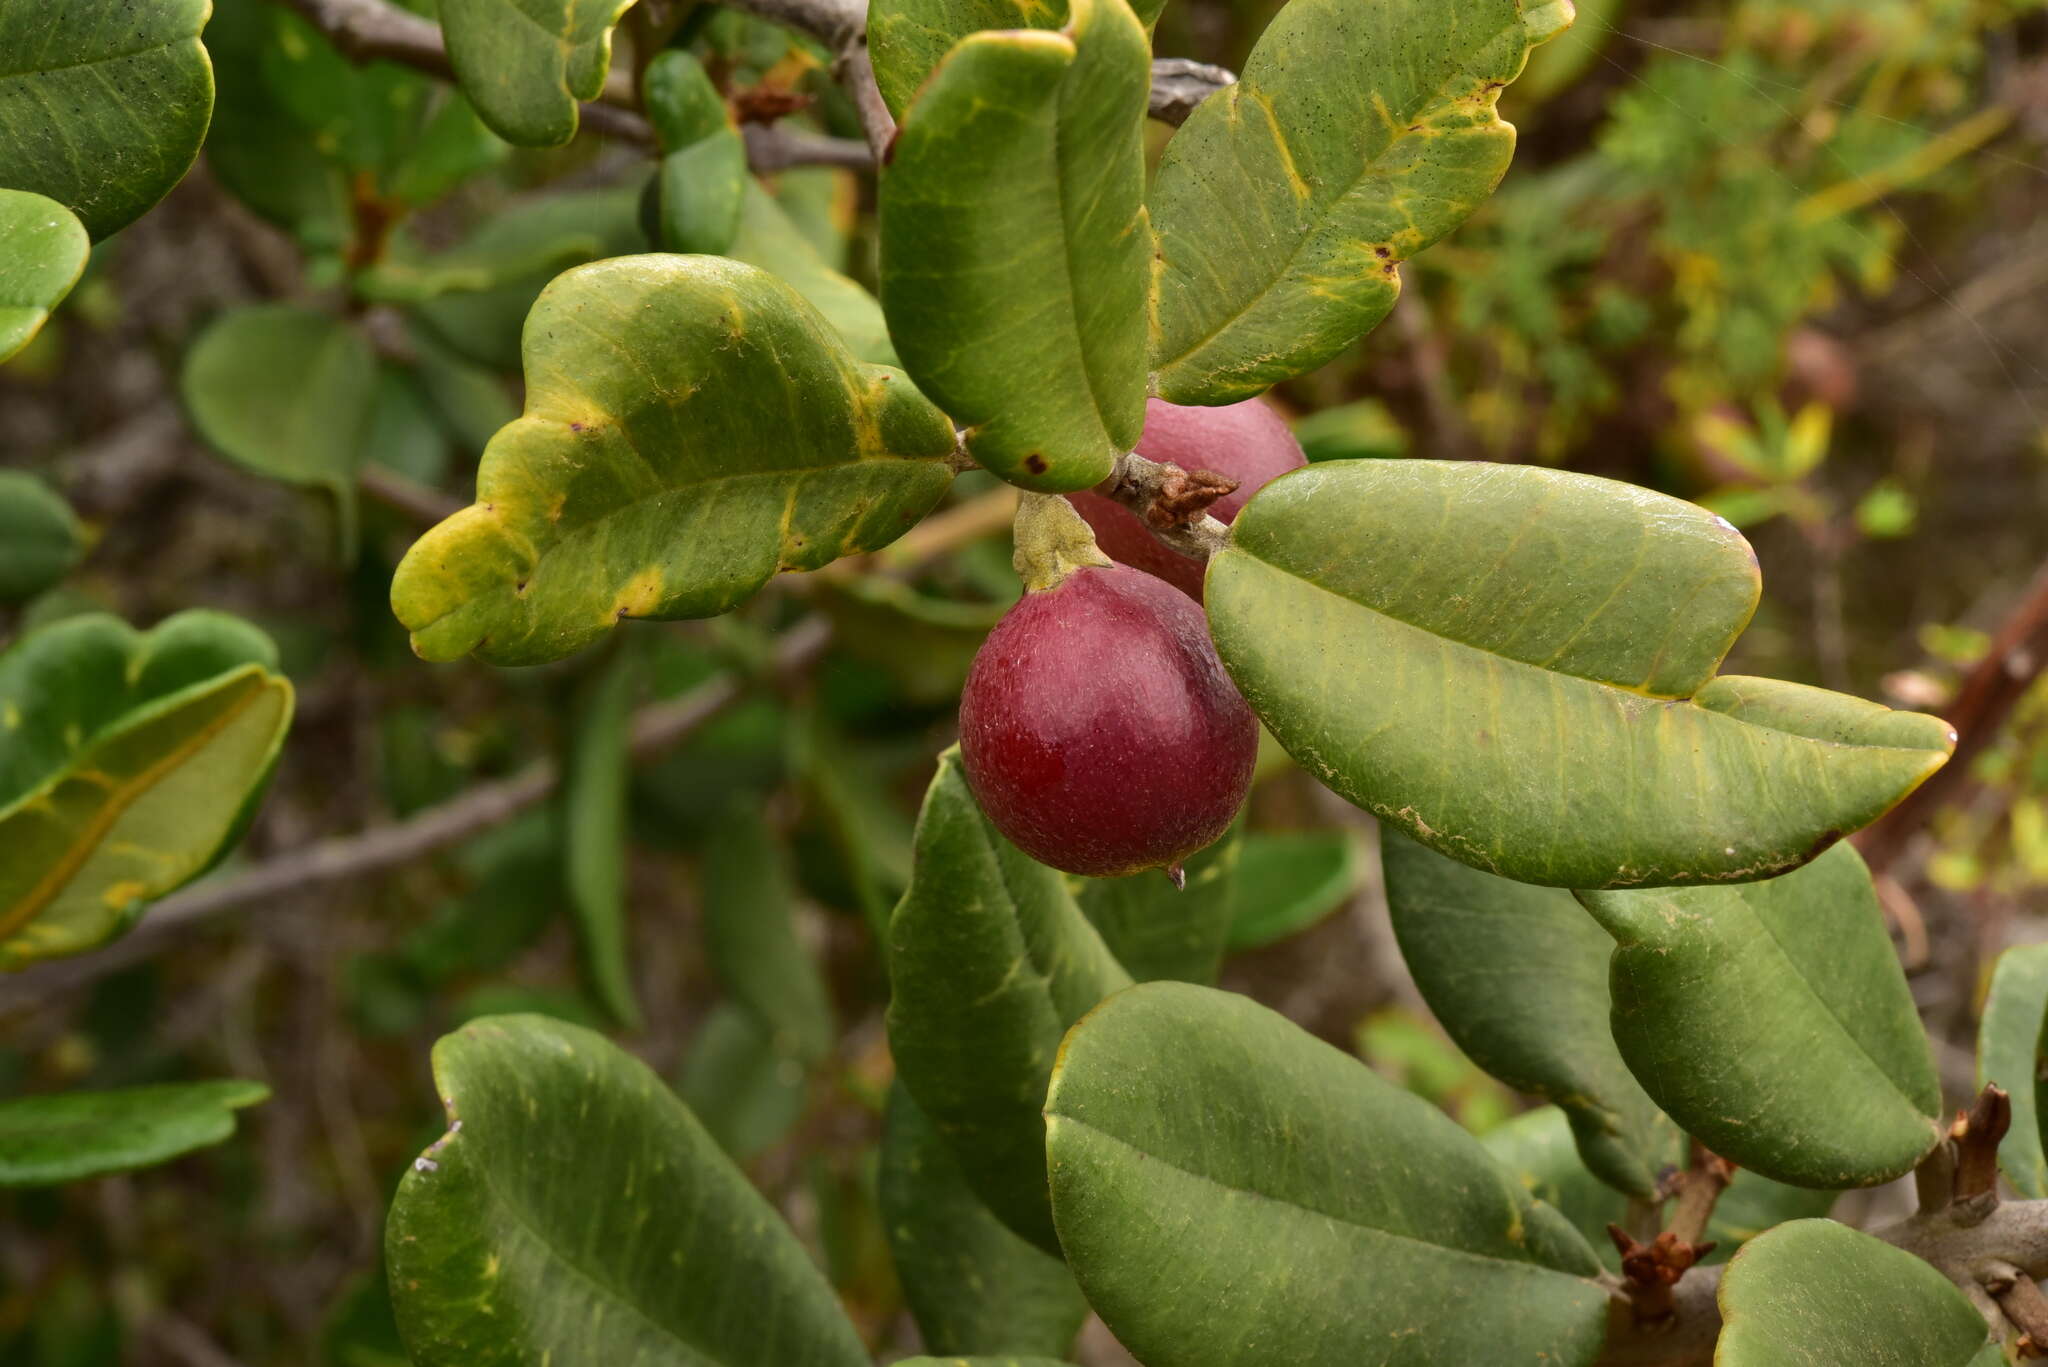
point(1706, 1176)
point(1179, 85)
point(1171, 501)
point(2022, 1303)
point(420, 502)
point(2018, 654)
point(1976, 1135)
point(347, 858)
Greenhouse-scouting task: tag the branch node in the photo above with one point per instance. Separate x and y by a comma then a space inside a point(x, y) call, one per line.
point(1976, 1135)
point(2024, 1305)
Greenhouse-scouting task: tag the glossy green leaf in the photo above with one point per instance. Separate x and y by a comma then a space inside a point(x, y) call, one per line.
point(1232, 1192)
point(575, 1211)
point(2009, 1054)
point(703, 172)
point(692, 426)
point(1772, 1021)
point(43, 250)
point(748, 1094)
point(1540, 700)
point(128, 761)
point(288, 393)
point(102, 107)
point(525, 64)
point(69, 1136)
point(1290, 880)
point(1157, 931)
point(1517, 974)
point(908, 38)
point(972, 1285)
point(1814, 1293)
point(40, 539)
point(1014, 248)
point(1356, 136)
point(750, 936)
point(990, 961)
point(769, 239)
point(594, 824)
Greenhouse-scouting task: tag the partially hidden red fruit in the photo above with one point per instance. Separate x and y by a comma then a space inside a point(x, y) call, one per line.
point(1098, 729)
point(1245, 441)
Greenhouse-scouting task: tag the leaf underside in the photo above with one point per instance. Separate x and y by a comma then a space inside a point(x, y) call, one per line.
point(1515, 666)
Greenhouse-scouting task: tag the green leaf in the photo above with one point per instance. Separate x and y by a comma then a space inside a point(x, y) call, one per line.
point(1157, 931)
point(750, 936)
point(1014, 248)
point(40, 539)
point(1232, 1192)
point(1815, 1291)
point(1527, 622)
point(255, 147)
point(70, 1136)
point(128, 762)
point(102, 107)
point(703, 173)
point(981, 1362)
point(576, 1211)
point(43, 250)
point(972, 1285)
point(288, 393)
point(1772, 1021)
point(2009, 1053)
point(1538, 1147)
point(747, 1093)
point(525, 64)
point(1355, 138)
point(692, 426)
point(769, 239)
point(864, 834)
point(1518, 976)
point(908, 38)
point(494, 275)
point(594, 824)
point(990, 961)
point(926, 644)
point(1291, 880)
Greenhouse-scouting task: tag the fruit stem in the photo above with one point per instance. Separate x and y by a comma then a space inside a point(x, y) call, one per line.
point(1052, 542)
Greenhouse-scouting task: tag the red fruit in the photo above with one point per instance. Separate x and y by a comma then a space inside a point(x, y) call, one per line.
point(1098, 729)
point(1246, 441)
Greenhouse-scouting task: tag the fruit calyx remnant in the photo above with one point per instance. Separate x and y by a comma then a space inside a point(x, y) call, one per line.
point(1052, 542)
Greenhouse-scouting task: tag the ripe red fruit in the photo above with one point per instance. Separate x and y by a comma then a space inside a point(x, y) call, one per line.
point(1098, 729)
point(1246, 441)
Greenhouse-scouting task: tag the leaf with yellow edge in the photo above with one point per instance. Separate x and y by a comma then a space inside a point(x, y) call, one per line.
point(692, 426)
point(128, 762)
point(1361, 132)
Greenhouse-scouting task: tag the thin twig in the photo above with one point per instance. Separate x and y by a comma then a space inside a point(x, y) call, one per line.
point(2021, 1301)
point(1179, 85)
point(2018, 654)
point(777, 147)
point(1976, 1135)
point(422, 503)
point(1706, 1176)
point(381, 848)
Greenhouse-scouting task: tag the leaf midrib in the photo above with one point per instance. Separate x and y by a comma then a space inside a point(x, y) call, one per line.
point(1060, 1117)
point(1437, 98)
